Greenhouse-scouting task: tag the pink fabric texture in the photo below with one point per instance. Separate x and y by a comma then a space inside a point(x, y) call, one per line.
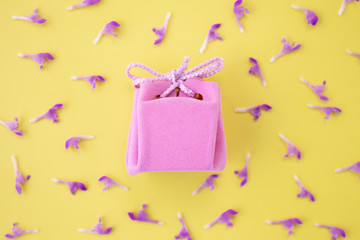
point(173, 133)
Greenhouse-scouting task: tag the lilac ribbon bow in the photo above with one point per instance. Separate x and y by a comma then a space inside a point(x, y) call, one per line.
point(177, 77)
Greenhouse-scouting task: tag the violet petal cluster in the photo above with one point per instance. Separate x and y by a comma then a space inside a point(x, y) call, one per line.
point(143, 217)
point(40, 58)
point(19, 178)
point(108, 182)
point(239, 12)
point(255, 110)
point(160, 32)
point(18, 231)
point(73, 186)
point(225, 217)
point(49, 114)
point(211, 36)
point(35, 18)
point(243, 173)
point(255, 70)
point(108, 29)
point(292, 150)
point(209, 182)
point(327, 110)
point(13, 126)
point(97, 229)
point(90, 79)
point(287, 48)
point(335, 231)
point(287, 223)
point(74, 141)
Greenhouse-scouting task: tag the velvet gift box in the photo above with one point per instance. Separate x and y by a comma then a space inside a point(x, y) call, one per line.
point(177, 132)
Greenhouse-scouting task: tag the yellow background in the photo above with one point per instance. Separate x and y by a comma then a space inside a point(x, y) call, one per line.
point(105, 112)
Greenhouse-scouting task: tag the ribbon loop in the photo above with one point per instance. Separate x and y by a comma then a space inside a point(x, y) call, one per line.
point(177, 76)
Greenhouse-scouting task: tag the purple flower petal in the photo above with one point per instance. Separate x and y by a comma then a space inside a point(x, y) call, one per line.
point(209, 182)
point(211, 36)
point(97, 229)
point(74, 141)
point(184, 232)
point(310, 16)
point(353, 53)
point(160, 32)
point(287, 47)
point(343, 5)
point(91, 79)
point(40, 58)
point(287, 223)
point(223, 218)
point(354, 168)
point(143, 217)
point(50, 114)
point(255, 69)
point(336, 232)
point(255, 110)
point(19, 178)
point(18, 231)
point(303, 191)
point(13, 126)
point(292, 150)
point(73, 186)
point(326, 110)
point(239, 12)
point(318, 89)
point(243, 173)
point(108, 182)
point(32, 18)
point(83, 4)
point(108, 29)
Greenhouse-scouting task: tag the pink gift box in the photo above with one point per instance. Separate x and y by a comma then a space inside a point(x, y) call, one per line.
point(173, 133)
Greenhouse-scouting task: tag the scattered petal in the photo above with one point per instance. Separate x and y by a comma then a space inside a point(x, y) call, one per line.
point(160, 32)
point(19, 178)
point(343, 5)
point(35, 18)
point(354, 167)
point(287, 223)
point(255, 69)
point(255, 110)
point(292, 150)
point(287, 47)
point(211, 36)
point(73, 186)
point(97, 229)
point(310, 16)
point(243, 173)
point(108, 29)
point(336, 232)
point(91, 79)
point(40, 58)
point(303, 191)
point(83, 4)
point(50, 114)
point(74, 141)
point(326, 110)
point(318, 89)
point(209, 182)
point(223, 218)
point(353, 53)
point(239, 12)
point(184, 233)
point(143, 217)
point(18, 231)
point(108, 182)
point(13, 126)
